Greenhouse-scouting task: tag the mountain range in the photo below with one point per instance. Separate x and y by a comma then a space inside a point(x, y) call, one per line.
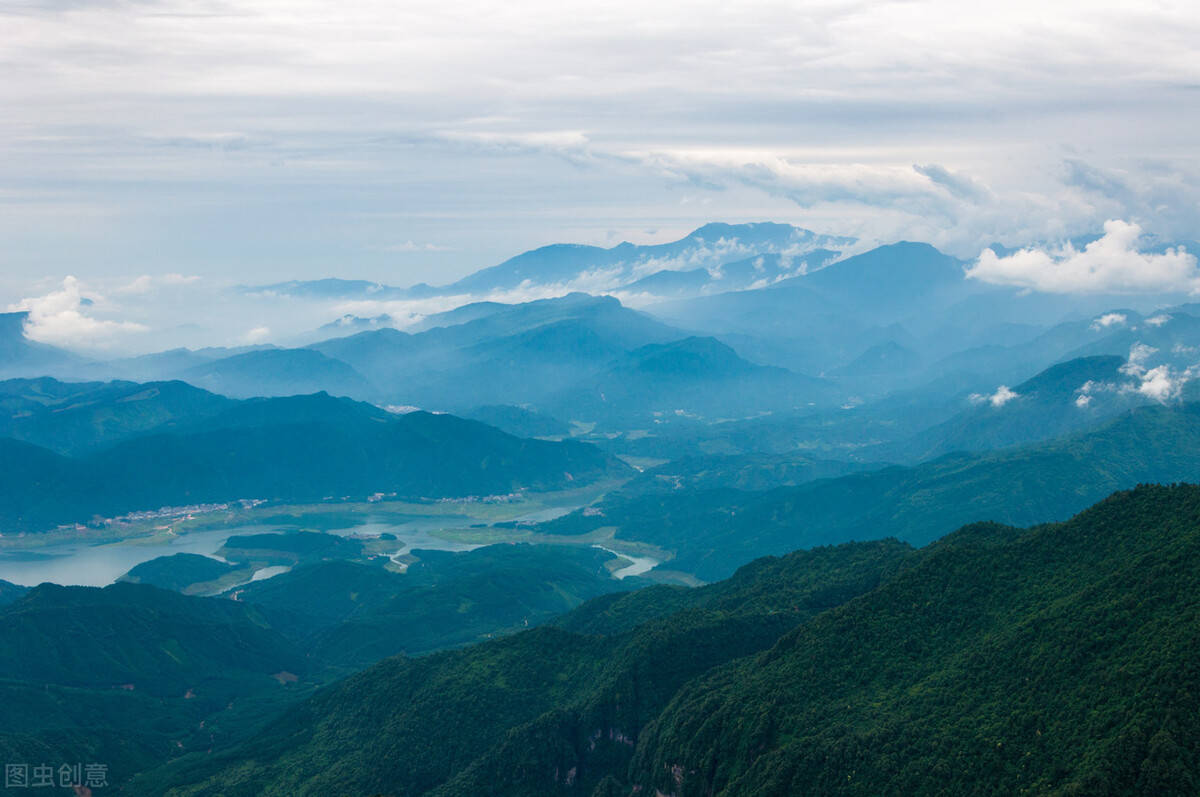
point(712, 258)
point(863, 462)
point(712, 531)
point(1043, 660)
point(298, 448)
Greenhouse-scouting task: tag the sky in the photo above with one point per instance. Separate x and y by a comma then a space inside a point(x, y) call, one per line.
point(153, 147)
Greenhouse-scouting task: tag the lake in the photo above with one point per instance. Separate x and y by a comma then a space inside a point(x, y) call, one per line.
point(99, 565)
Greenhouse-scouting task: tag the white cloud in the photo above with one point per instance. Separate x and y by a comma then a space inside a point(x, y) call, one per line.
point(1110, 320)
point(371, 110)
point(1158, 320)
point(1139, 353)
point(810, 182)
point(1110, 264)
point(142, 284)
point(1083, 400)
point(1162, 382)
point(59, 318)
point(1002, 396)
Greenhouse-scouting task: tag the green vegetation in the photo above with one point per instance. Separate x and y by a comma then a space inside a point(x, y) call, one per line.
point(713, 531)
point(10, 592)
point(131, 675)
point(1060, 660)
point(291, 548)
point(350, 615)
point(1053, 660)
point(295, 449)
point(136, 675)
point(406, 725)
point(1042, 408)
point(519, 421)
point(76, 417)
point(188, 573)
point(751, 472)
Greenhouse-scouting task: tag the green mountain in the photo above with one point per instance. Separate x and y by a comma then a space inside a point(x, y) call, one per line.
point(297, 448)
point(512, 354)
point(188, 573)
point(1057, 660)
point(158, 641)
point(1053, 660)
point(407, 725)
point(131, 675)
point(277, 372)
point(749, 472)
point(713, 531)
point(519, 421)
point(693, 377)
point(9, 592)
point(348, 606)
point(1066, 397)
point(1166, 337)
point(73, 418)
point(135, 675)
point(352, 615)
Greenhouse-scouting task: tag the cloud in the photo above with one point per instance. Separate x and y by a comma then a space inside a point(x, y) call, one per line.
point(1110, 264)
point(1161, 383)
point(257, 335)
point(1158, 320)
point(958, 184)
point(1110, 320)
point(1002, 396)
point(58, 318)
point(143, 284)
point(575, 142)
point(1167, 193)
point(808, 183)
point(147, 283)
point(405, 109)
point(1139, 353)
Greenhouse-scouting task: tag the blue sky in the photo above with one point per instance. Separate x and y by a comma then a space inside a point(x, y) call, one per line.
point(403, 142)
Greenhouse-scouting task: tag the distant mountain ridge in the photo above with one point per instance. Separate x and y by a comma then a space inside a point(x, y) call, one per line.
point(712, 531)
point(713, 257)
point(311, 448)
point(698, 376)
